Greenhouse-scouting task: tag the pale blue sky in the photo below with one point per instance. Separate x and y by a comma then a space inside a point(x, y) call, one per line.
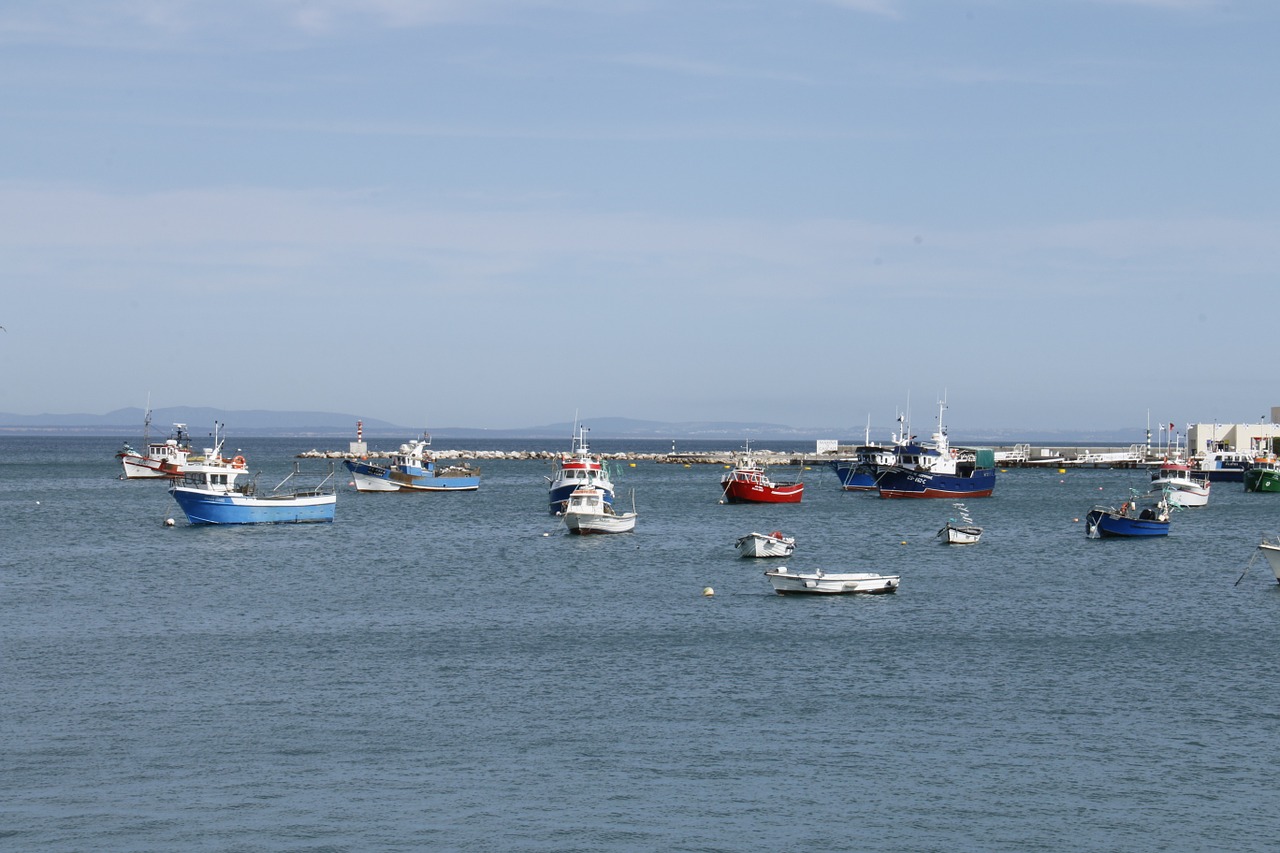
point(498, 213)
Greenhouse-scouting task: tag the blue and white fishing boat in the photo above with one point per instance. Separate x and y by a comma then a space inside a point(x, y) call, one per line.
point(411, 469)
point(859, 472)
point(212, 492)
point(1134, 517)
point(578, 468)
point(938, 470)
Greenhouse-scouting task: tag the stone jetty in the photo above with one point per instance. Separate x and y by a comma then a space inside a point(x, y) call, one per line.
point(716, 457)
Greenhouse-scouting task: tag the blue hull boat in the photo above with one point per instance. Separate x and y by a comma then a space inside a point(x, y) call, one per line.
point(1128, 520)
point(209, 493)
point(914, 483)
point(854, 476)
point(579, 468)
point(299, 508)
point(411, 469)
point(938, 470)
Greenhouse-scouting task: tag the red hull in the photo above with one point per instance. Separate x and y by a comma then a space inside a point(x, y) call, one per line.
point(738, 492)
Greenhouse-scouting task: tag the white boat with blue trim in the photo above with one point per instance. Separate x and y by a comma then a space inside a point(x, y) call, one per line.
point(411, 469)
point(212, 491)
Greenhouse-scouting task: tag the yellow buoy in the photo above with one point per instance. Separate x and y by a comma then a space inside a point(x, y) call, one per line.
point(708, 591)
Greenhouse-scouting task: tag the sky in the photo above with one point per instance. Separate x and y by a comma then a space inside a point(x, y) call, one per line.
point(1058, 214)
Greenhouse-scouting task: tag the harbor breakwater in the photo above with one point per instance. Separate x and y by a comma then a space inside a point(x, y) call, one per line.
point(1012, 456)
point(715, 457)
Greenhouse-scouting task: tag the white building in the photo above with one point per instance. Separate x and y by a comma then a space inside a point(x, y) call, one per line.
point(1249, 438)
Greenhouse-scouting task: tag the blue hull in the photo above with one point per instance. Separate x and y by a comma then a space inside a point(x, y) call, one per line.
point(855, 476)
point(1110, 524)
point(412, 481)
point(559, 496)
point(902, 483)
point(224, 509)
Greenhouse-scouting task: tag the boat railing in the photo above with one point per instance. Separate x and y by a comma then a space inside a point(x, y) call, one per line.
point(324, 487)
point(249, 488)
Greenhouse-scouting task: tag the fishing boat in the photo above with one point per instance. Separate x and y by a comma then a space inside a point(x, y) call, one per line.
point(1270, 548)
point(161, 460)
point(747, 482)
point(1173, 477)
point(960, 531)
point(858, 471)
point(587, 513)
point(818, 582)
point(1221, 463)
point(765, 545)
point(411, 469)
point(1132, 518)
point(938, 470)
point(212, 491)
point(1262, 476)
point(578, 468)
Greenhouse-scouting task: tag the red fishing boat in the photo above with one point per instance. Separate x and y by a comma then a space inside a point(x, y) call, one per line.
point(747, 482)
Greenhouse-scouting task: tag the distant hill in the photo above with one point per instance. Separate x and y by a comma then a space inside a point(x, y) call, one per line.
point(128, 422)
point(199, 420)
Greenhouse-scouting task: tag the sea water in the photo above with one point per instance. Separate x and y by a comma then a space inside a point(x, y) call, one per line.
point(454, 672)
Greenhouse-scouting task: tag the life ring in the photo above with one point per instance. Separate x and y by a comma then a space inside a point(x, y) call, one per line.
point(238, 462)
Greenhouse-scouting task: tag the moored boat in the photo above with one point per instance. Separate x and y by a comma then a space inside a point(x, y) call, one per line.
point(938, 470)
point(962, 531)
point(1270, 548)
point(211, 492)
point(747, 482)
point(859, 471)
point(818, 582)
point(1221, 464)
point(761, 545)
point(1133, 518)
point(1262, 476)
point(411, 469)
point(578, 468)
point(587, 513)
point(161, 460)
point(1173, 478)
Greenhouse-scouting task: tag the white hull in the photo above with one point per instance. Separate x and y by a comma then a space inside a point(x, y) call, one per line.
point(141, 468)
point(760, 545)
point(1186, 496)
point(1174, 479)
point(587, 512)
point(588, 523)
point(365, 483)
point(1271, 550)
point(960, 534)
point(819, 582)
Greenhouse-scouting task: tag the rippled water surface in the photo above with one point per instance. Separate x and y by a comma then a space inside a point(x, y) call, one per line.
point(453, 672)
